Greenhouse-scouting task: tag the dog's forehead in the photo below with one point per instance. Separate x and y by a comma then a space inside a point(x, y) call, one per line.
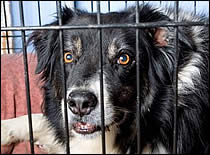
point(88, 41)
point(73, 43)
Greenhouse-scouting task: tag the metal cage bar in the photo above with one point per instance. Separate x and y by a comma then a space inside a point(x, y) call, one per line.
point(175, 80)
point(7, 40)
point(103, 26)
point(92, 6)
point(126, 4)
point(108, 6)
point(11, 48)
point(138, 102)
point(13, 36)
point(64, 79)
point(194, 7)
point(26, 79)
point(75, 5)
point(101, 78)
point(39, 13)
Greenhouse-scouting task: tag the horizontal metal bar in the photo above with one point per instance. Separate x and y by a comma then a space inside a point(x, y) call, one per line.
point(12, 48)
point(13, 36)
point(134, 25)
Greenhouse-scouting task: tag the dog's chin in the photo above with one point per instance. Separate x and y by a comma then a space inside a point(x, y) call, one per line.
point(91, 130)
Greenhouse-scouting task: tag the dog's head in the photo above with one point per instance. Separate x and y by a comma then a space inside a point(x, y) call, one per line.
point(82, 68)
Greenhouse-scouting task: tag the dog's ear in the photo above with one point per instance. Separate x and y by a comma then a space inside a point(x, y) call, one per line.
point(46, 44)
point(160, 36)
point(157, 44)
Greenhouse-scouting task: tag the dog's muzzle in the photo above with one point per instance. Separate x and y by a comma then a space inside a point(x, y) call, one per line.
point(81, 102)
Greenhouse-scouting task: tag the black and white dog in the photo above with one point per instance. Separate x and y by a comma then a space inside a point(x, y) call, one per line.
point(157, 67)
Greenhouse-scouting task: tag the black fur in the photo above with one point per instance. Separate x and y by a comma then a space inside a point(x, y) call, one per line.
point(157, 66)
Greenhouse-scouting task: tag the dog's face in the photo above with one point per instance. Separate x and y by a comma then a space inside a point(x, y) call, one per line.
point(82, 52)
point(82, 64)
point(83, 70)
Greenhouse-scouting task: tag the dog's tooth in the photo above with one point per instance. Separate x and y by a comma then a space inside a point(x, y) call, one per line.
point(89, 126)
point(83, 126)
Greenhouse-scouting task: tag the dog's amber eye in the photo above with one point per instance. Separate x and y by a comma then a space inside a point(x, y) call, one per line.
point(68, 57)
point(124, 59)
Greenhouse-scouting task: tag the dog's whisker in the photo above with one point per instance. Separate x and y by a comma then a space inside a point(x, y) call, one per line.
point(121, 109)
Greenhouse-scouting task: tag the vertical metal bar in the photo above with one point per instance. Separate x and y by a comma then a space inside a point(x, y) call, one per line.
point(101, 80)
point(40, 22)
point(126, 4)
point(5, 18)
point(26, 78)
point(194, 7)
point(138, 110)
point(109, 6)
point(64, 79)
point(208, 62)
point(175, 80)
point(92, 6)
point(75, 4)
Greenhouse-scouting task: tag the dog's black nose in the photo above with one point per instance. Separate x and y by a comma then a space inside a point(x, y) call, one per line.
point(82, 102)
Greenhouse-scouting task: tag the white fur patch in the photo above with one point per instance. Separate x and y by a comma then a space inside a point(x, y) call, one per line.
point(160, 149)
point(12, 131)
point(79, 145)
point(189, 73)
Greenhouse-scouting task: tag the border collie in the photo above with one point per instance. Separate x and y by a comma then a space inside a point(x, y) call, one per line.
point(157, 67)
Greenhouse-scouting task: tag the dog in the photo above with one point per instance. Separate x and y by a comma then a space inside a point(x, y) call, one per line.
point(158, 59)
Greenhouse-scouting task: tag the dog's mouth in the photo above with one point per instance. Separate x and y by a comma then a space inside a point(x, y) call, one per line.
point(85, 128)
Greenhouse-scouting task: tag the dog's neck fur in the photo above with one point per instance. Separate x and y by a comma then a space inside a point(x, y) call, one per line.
point(94, 146)
point(80, 145)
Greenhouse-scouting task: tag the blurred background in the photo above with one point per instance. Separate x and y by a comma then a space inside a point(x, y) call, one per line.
point(38, 13)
